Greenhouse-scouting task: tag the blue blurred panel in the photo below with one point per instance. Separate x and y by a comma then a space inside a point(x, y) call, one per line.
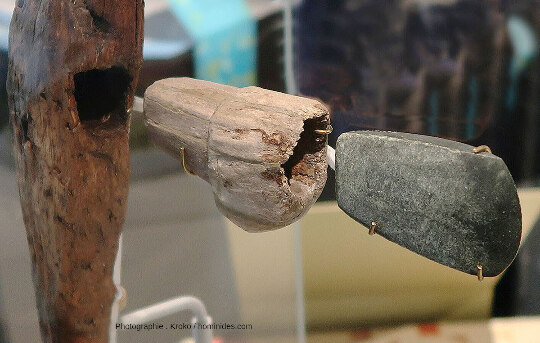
point(225, 38)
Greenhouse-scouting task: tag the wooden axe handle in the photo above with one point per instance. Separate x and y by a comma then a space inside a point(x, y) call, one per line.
point(73, 66)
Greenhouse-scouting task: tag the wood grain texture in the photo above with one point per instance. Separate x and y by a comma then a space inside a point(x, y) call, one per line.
point(257, 148)
point(73, 66)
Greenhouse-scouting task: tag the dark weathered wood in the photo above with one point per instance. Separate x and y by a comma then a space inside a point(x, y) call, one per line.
point(259, 149)
point(73, 66)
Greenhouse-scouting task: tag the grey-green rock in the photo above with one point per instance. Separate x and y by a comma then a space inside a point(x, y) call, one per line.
point(433, 196)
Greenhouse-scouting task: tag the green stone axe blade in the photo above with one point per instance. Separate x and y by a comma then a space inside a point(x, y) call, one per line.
point(450, 202)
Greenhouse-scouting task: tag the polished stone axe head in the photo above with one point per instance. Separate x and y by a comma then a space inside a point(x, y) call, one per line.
point(444, 200)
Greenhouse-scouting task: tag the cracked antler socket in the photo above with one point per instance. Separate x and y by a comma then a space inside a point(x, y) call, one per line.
point(258, 149)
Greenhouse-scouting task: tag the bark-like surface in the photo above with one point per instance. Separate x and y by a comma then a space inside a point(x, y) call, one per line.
point(72, 71)
point(258, 149)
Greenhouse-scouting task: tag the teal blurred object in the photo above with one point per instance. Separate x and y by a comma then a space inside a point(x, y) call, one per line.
point(225, 39)
point(525, 45)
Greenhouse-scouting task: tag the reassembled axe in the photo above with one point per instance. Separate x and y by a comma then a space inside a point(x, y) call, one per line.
point(265, 155)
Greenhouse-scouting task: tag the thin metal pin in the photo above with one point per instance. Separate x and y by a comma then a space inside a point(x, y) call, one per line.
point(327, 131)
point(480, 273)
point(184, 162)
point(372, 228)
point(482, 148)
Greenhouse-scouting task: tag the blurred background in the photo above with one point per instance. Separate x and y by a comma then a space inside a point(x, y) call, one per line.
point(466, 70)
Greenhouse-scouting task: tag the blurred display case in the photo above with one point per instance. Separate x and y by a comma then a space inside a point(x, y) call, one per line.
point(438, 67)
point(461, 69)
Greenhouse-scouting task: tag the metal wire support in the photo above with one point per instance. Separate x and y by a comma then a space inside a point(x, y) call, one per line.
point(326, 131)
point(372, 228)
point(184, 163)
point(482, 148)
point(480, 273)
